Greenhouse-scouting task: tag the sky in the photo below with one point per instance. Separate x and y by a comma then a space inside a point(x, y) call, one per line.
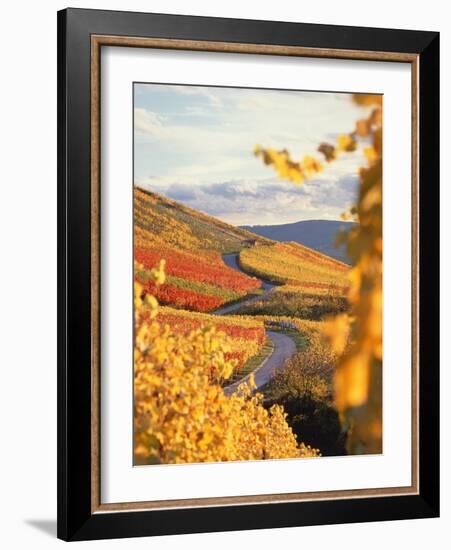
point(195, 145)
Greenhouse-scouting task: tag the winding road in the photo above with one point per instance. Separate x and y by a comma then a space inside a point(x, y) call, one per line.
point(231, 260)
point(284, 346)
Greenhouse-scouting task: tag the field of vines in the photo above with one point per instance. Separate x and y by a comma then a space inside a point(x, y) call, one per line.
point(297, 302)
point(291, 263)
point(191, 245)
point(197, 281)
point(251, 349)
point(182, 280)
point(158, 219)
point(246, 334)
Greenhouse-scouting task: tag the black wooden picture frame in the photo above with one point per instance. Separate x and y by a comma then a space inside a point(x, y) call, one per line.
point(78, 518)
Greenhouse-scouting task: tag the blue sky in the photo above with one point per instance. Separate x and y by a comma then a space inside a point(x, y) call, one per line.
point(194, 144)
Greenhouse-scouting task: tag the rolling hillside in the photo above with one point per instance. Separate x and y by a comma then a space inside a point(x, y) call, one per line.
point(203, 287)
point(194, 245)
point(158, 218)
point(317, 234)
point(257, 292)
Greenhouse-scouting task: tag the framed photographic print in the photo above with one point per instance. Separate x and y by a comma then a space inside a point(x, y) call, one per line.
point(248, 274)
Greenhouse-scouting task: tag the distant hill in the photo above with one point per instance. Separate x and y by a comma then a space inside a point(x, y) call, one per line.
point(316, 234)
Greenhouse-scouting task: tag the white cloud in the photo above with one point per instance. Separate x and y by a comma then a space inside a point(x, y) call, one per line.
point(261, 201)
point(148, 123)
point(208, 93)
point(203, 138)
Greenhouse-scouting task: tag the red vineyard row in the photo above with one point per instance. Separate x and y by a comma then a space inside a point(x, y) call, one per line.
point(183, 298)
point(182, 325)
point(210, 270)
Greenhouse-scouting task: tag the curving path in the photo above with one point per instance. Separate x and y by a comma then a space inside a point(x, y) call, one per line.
point(231, 260)
point(284, 346)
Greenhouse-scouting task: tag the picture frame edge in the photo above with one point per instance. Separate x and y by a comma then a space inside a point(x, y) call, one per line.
point(79, 518)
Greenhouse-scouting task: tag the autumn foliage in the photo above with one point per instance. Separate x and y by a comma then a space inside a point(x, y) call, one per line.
point(294, 264)
point(357, 336)
point(246, 335)
point(181, 413)
point(191, 244)
point(202, 268)
point(185, 354)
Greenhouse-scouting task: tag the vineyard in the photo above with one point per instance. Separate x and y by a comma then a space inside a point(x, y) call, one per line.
point(184, 282)
point(246, 334)
point(158, 219)
point(296, 265)
point(191, 244)
point(298, 302)
point(248, 347)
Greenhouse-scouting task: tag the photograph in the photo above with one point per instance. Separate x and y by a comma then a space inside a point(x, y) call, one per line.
point(257, 274)
point(248, 273)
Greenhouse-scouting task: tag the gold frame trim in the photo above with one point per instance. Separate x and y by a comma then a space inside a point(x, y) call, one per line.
point(97, 41)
